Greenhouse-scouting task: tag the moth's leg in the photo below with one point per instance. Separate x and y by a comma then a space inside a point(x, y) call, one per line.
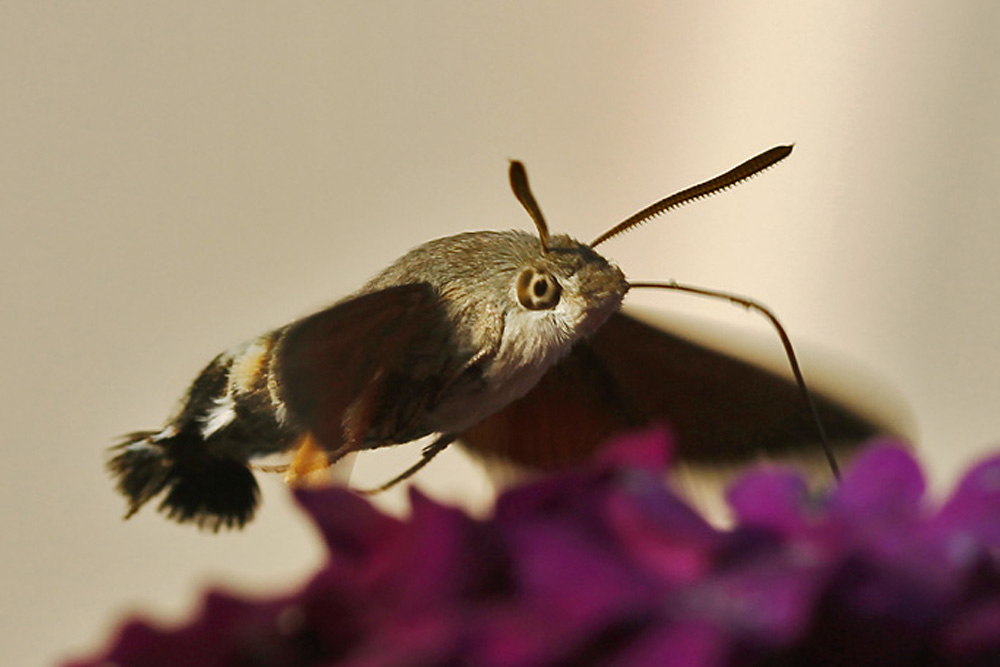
point(277, 467)
point(309, 457)
point(429, 452)
point(309, 460)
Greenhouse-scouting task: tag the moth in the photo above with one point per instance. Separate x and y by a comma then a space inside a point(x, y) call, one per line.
point(509, 342)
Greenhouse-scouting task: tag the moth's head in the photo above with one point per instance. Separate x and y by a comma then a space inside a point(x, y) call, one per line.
point(564, 274)
point(598, 286)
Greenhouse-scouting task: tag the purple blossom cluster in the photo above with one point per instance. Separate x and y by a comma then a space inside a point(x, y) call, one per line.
point(607, 566)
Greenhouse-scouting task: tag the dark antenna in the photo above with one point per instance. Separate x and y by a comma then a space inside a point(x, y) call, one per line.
point(519, 184)
point(741, 172)
point(737, 174)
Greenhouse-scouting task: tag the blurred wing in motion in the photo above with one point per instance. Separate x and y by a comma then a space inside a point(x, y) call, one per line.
point(723, 411)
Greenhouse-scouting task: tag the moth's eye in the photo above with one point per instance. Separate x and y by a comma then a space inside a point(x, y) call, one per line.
point(537, 289)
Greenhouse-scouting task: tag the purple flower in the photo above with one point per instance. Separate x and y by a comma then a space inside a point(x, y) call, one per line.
point(606, 565)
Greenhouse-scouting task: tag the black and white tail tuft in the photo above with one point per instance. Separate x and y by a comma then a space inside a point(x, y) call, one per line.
point(211, 491)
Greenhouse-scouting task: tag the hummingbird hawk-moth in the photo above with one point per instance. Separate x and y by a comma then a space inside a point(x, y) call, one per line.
point(509, 342)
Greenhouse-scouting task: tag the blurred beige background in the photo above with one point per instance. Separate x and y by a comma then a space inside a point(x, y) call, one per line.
point(178, 176)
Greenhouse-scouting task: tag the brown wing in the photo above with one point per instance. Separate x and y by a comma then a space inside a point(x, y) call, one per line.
point(722, 410)
point(350, 373)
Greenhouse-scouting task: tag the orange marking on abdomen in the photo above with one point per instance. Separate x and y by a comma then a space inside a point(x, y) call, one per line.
point(247, 367)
